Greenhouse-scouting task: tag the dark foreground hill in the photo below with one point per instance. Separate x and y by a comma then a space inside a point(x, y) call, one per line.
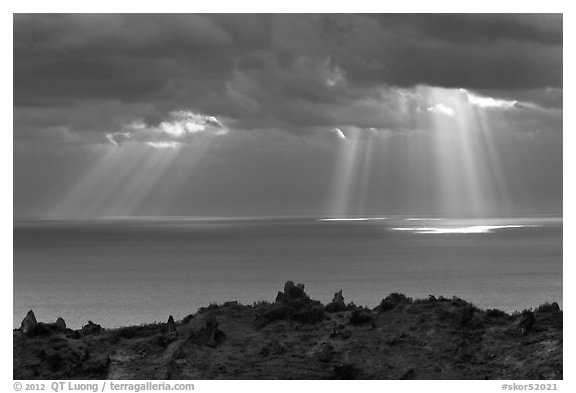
point(299, 338)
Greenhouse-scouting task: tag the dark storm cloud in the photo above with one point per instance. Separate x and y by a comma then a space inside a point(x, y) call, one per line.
point(480, 28)
point(129, 57)
point(470, 51)
point(289, 72)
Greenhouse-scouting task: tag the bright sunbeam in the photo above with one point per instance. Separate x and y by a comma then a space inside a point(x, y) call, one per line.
point(350, 153)
point(452, 158)
point(450, 163)
point(119, 182)
point(468, 169)
point(89, 194)
point(139, 184)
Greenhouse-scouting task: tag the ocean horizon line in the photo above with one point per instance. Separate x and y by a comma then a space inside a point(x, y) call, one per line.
point(358, 217)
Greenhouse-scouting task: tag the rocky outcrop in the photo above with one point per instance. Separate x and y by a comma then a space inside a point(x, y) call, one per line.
point(279, 297)
point(337, 304)
point(291, 293)
point(296, 339)
point(60, 324)
point(338, 299)
point(29, 323)
point(293, 304)
point(91, 328)
point(171, 327)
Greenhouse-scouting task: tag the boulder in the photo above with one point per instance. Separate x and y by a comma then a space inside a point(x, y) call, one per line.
point(60, 324)
point(91, 328)
point(29, 323)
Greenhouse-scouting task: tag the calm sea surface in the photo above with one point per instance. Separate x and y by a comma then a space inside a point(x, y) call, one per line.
point(123, 272)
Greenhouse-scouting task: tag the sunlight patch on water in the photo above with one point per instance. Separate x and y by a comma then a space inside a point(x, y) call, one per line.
point(422, 219)
point(462, 229)
point(354, 219)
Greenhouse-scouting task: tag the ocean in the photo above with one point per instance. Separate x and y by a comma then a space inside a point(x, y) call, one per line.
point(119, 272)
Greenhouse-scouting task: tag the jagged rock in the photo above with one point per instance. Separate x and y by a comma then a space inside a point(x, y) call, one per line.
point(338, 298)
point(91, 328)
point(60, 324)
point(29, 323)
point(527, 321)
point(337, 303)
point(172, 332)
point(295, 292)
point(280, 297)
point(291, 292)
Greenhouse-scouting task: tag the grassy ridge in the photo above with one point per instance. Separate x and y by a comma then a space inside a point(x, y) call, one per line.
point(299, 338)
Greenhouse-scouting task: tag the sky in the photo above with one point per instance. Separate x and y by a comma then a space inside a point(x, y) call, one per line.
point(330, 115)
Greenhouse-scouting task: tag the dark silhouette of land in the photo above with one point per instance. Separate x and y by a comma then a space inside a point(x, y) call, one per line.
point(299, 338)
